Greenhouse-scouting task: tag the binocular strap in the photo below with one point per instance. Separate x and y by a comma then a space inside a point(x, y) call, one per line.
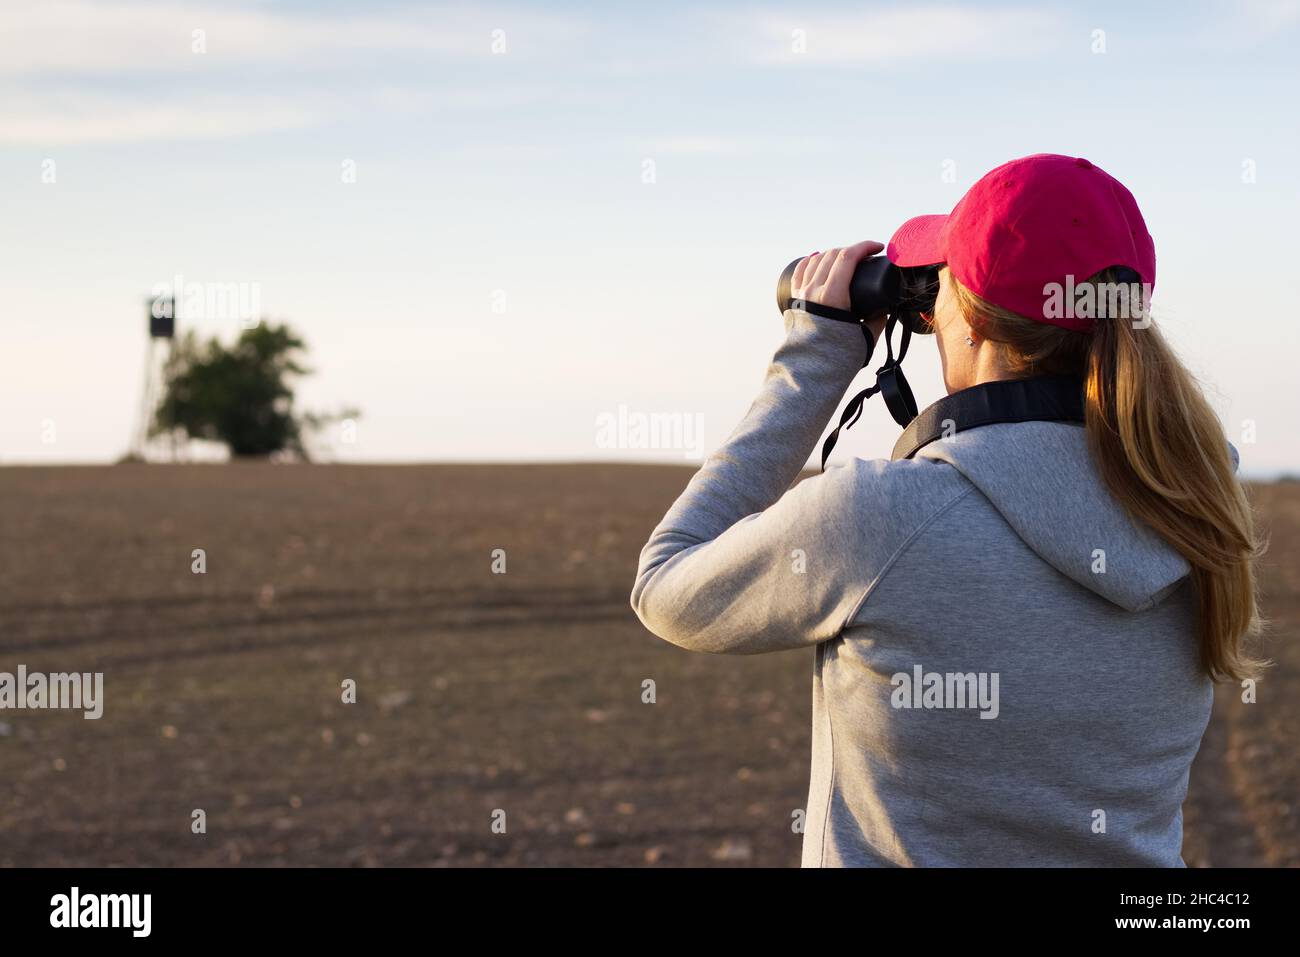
point(1049, 398)
point(890, 382)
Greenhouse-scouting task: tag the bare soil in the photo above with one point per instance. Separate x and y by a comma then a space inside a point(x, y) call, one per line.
point(477, 693)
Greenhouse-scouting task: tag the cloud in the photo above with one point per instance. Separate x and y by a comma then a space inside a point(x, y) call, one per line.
point(68, 117)
point(1243, 25)
point(1272, 15)
point(911, 34)
point(708, 145)
point(73, 71)
point(58, 120)
point(78, 36)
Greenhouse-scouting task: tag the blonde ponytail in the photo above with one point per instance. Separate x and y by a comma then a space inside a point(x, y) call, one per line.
point(1160, 450)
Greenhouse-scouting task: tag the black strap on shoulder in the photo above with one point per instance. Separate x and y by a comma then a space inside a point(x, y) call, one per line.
point(1042, 398)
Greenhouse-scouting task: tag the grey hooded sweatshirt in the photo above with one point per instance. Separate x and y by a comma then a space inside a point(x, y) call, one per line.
point(1006, 670)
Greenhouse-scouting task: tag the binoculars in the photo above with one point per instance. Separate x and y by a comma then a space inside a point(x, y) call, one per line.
point(879, 288)
point(903, 295)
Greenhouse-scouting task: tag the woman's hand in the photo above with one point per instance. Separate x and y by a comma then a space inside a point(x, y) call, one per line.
point(824, 277)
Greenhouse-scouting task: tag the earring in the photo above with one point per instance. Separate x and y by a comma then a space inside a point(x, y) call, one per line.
point(970, 341)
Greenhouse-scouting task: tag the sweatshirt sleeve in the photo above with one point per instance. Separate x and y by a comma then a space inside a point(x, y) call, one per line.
point(741, 563)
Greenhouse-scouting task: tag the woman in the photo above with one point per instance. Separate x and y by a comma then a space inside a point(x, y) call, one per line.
point(1017, 622)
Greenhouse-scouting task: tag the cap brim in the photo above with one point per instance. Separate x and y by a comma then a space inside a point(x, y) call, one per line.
point(918, 242)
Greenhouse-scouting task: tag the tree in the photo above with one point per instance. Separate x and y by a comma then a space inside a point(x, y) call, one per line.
point(242, 395)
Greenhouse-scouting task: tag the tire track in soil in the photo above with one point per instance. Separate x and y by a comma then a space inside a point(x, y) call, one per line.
point(485, 607)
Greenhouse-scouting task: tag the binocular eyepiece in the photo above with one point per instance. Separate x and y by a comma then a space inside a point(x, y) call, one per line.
point(878, 289)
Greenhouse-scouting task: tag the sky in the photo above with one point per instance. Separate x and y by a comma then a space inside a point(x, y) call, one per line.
point(514, 232)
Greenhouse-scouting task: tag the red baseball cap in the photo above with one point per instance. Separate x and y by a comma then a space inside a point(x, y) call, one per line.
point(1029, 223)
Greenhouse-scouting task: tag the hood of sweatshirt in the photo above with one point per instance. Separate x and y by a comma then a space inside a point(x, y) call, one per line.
point(1041, 477)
